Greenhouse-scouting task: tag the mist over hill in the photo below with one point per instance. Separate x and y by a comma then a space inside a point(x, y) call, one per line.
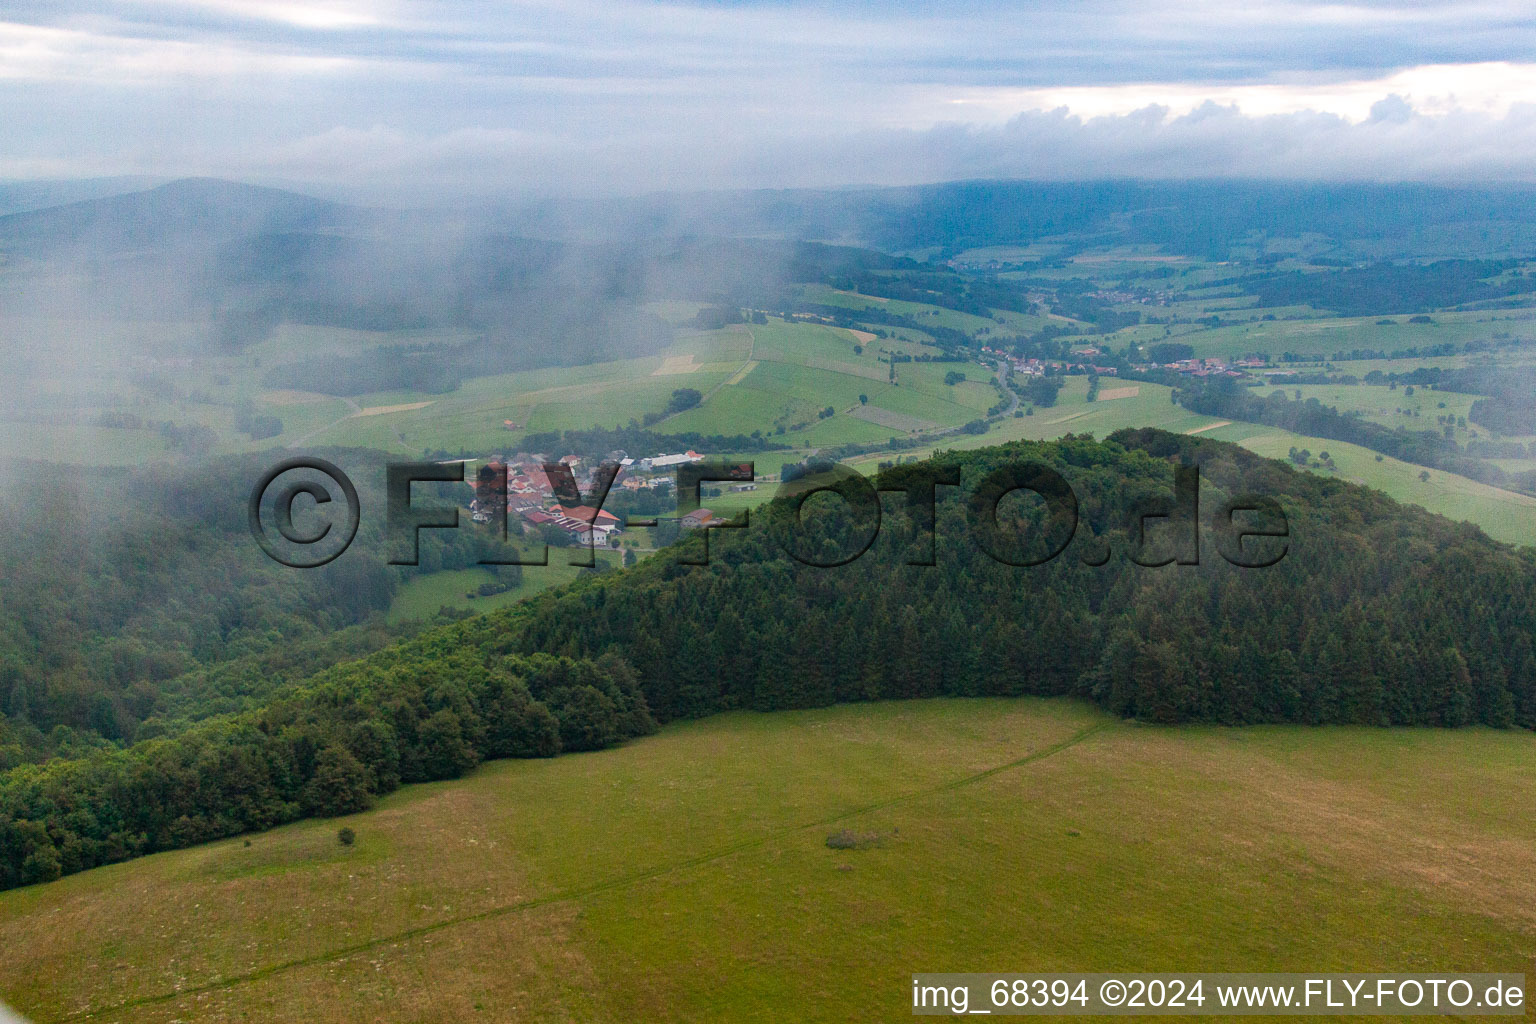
point(17, 196)
point(1199, 218)
point(210, 267)
point(183, 214)
point(212, 249)
point(1192, 217)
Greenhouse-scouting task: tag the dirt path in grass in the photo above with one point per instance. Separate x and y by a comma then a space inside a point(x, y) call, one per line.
point(353, 409)
point(576, 893)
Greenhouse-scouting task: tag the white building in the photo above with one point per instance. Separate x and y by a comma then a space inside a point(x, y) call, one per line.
point(668, 461)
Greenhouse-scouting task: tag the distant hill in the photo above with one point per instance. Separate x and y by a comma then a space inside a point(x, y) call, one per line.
point(563, 283)
point(21, 196)
point(1199, 218)
point(190, 212)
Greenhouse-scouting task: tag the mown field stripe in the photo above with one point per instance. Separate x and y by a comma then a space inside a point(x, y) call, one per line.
point(741, 374)
point(567, 895)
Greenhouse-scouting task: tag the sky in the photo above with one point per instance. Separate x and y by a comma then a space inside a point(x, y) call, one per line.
point(474, 97)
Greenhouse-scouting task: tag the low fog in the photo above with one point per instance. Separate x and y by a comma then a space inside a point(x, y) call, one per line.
point(129, 286)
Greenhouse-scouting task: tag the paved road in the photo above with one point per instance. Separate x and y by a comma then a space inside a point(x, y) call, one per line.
point(1002, 375)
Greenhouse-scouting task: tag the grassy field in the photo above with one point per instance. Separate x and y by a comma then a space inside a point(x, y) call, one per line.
point(767, 377)
point(1503, 515)
point(675, 879)
point(1072, 414)
point(421, 596)
point(793, 372)
point(1396, 408)
point(1002, 320)
point(83, 445)
point(1330, 334)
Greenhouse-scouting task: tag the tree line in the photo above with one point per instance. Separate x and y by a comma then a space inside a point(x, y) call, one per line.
point(408, 715)
point(132, 599)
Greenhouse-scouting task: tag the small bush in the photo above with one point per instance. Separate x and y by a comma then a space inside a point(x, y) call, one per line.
point(842, 840)
point(346, 837)
point(848, 839)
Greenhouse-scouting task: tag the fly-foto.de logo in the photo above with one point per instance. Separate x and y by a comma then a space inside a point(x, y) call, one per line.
point(1251, 531)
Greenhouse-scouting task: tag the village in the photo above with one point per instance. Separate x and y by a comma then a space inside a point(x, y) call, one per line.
point(1082, 361)
point(539, 498)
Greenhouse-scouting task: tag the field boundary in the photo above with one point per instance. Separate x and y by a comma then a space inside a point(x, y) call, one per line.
point(674, 365)
point(568, 895)
point(1210, 426)
point(741, 374)
point(384, 410)
point(747, 366)
point(851, 369)
point(894, 420)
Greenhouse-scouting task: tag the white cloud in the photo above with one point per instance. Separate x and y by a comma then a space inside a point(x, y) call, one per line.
point(315, 14)
point(41, 53)
point(628, 94)
point(1210, 141)
point(1492, 87)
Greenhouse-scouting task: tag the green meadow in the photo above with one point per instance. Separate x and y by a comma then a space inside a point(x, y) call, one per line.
point(1395, 407)
point(420, 597)
point(1326, 335)
point(1001, 321)
point(1120, 405)
point(776, 378)
point(675, 879)
point(1503, 515)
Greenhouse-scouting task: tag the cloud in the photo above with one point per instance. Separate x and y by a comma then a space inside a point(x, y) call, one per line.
point(32, 53)
point(1396, 143)
point(620, 95)
point(1492, 87)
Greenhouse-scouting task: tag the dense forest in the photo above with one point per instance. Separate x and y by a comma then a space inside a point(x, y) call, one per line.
point(1390, 287)
point(1331, 633)
point(1510, 405)
point(1376, 614)
point(133, 599)
point(404, 716)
